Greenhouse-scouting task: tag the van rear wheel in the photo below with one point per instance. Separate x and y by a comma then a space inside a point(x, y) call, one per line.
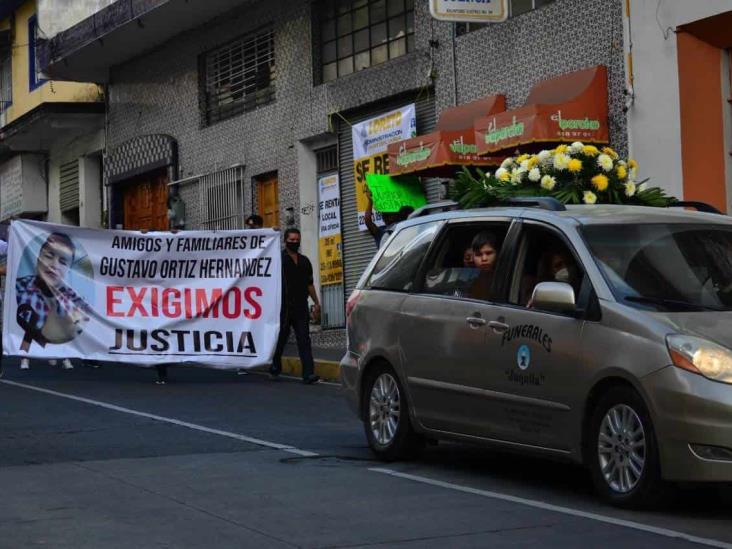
point(386, 417)
point(622, 450)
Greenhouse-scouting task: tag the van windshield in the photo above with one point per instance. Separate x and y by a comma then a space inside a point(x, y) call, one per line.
point(666, 267)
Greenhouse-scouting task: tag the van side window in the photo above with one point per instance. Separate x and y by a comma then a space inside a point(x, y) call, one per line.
point(397, 267)
point(543, 257)
point(457, 269)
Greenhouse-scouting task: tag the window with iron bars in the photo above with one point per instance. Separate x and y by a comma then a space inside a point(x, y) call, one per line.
point(238, 77)
point(6, 79)
point(515, 8)
point(356, 34)
point(221, 199)
point(326, 159)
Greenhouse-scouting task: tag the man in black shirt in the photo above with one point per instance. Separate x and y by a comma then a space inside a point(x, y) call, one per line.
point(297, 284)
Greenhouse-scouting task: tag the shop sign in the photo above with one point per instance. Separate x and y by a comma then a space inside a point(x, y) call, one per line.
point(329, 232)
point(370, 141)
point(470, 11)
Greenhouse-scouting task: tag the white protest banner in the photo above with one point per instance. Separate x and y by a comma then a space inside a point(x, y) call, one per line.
point(470, 11)
point(206, 297)
point(370, 141)
point(331, 260)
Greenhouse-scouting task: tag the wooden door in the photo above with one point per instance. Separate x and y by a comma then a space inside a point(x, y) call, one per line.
point(146, 204)
point(268, 200)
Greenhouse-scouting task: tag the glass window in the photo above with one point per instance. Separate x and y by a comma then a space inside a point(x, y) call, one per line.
point(543, 256)
point(239, 76)
point(453, 269)
point(515, 8)
point(34, 69)
point(666, 267)
point(374, 30)
point(397, 267)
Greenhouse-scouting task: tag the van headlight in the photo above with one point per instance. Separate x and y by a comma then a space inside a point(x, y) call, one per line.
point(701, 357)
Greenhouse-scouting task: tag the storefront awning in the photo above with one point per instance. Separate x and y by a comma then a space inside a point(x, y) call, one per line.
point(448, 148)
point(571, 107)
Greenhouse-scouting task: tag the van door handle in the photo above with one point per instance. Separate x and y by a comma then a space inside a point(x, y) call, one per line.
point(498, 327)
point(475, 322)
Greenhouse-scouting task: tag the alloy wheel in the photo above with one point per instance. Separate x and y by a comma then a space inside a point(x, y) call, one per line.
point(384, 409)
point(621, 448)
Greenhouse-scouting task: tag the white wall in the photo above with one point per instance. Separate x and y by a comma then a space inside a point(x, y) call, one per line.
point(55, 16)
point(308, 186)
point(654, 132)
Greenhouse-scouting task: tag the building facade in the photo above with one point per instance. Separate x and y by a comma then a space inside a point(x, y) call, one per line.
point(242, 110)
point(51, 132)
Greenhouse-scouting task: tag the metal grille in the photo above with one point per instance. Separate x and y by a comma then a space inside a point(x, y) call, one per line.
point(326, 159)
point(334, 312)
point(357, 34)
point(69, 195)
point(239, 76)
point(359, 247)
point(221, 199)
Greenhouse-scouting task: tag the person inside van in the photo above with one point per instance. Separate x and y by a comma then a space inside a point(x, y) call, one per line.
point(556, 265)
point(485, 256)
point(468, 257)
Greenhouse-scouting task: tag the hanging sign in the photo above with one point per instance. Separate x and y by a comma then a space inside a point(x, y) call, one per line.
point(331, 259)
point(205, 297)
point(470, 11)
point(371, 139)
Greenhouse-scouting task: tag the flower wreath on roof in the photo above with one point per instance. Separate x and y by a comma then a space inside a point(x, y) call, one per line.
point(573, 174)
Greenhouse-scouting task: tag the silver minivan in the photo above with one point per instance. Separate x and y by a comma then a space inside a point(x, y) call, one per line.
point(598, 334)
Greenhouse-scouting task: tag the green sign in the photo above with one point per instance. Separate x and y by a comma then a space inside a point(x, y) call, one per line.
point(390, 194)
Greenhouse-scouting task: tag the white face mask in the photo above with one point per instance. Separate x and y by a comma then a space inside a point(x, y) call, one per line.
point(562, 275)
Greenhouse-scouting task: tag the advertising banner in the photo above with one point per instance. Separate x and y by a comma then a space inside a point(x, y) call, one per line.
point(371, 139)
point(207, 297)
point(470, 11)
point(331, 259)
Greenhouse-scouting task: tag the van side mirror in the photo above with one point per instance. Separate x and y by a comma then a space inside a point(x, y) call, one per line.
point(556, 297)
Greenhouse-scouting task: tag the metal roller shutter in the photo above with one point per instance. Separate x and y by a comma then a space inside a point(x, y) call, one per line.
point(69, 199)
point(359, 247)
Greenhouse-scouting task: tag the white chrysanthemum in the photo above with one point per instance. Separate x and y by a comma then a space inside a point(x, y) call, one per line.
point(501, 174)
point(630, 189)
point(548, 182)
point(576, 147)
point(516, 176)
point(561, 161)
point(534, 174)
point(589, 197)
point(525, 165)
point(622, 163)
point(544, 156)
point(506, 163)
point(605, 162)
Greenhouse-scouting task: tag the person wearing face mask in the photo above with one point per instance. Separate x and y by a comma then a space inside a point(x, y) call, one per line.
point(297, 285)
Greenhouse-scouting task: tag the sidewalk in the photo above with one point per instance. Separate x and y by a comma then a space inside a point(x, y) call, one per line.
point(326, 362)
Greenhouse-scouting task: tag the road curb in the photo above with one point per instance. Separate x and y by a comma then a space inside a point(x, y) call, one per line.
point(328, 370)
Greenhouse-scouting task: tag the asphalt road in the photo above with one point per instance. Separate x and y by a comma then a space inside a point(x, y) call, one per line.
point(107, 459)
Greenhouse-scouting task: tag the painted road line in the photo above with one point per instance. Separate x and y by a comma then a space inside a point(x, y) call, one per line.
point(556, 508)
point(171, 421)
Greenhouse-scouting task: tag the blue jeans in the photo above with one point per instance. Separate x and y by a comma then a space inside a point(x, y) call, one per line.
point(300, 322)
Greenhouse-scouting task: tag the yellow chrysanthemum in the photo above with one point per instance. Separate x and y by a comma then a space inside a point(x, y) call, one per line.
point(600, 182)
point(522, 158)
point(622, 172)
point(610, 152)
point(533, 161)
point(561, 149)
point(632, 164)
point(502, 174)
point(575, 165)
point(590, 150)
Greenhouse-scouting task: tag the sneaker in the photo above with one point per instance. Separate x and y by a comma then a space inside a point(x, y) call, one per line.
point(242, 372)
point(24, 364)
point(160, 382)
point(66, 364)
point(53, 362)
point(311, 379)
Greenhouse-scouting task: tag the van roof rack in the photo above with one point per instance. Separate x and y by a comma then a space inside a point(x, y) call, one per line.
point(699, 206)
point(542, 202)
point(444, 206)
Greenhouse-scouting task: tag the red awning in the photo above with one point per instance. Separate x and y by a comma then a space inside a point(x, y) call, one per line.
point(571, 107)
point(448, 148)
